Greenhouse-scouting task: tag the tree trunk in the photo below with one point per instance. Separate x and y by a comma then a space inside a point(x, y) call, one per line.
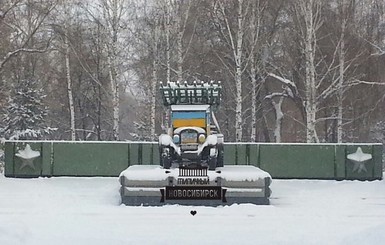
point(115, 98)
point(99, 105)
point(180, 52)
point(278, 119)
point(99, 114)
point(154, 82)
point(238, 75)
point(255, 28)
point(341, 80)
point(253, 73)
point(114, 20)
point(99, 100)
point(168, 54)
point(153, 99)
point(310, 44)
point(69, 87)
point(168, 57)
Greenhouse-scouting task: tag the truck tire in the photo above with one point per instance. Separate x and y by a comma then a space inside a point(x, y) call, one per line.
point(212, 163)
point(220, 157)
point(166, 160)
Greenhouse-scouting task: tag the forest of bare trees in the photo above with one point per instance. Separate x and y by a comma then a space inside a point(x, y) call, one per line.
point(291, 71)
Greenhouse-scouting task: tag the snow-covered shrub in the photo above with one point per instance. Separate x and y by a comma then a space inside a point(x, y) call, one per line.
point(25, 114)
point(142, 132)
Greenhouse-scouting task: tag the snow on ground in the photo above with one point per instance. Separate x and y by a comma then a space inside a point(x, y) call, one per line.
point(88, 211)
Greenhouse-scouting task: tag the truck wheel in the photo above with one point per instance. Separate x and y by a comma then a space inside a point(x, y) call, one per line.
point(165, 158)
point(166, 162)
point(220, 158)
point(160, 157)
point(212, 163)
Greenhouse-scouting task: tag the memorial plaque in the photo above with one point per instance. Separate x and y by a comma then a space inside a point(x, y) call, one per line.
point(193, 184)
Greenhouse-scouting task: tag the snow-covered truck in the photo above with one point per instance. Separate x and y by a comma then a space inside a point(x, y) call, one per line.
point(193, 138)
point(190, 148)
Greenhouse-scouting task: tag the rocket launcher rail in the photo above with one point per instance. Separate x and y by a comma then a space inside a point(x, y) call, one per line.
point(191, 94)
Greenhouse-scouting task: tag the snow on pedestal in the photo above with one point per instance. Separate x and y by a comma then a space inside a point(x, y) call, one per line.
point(230, 173)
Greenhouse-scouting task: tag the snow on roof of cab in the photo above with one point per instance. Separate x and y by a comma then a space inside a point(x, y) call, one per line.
point(189, 107)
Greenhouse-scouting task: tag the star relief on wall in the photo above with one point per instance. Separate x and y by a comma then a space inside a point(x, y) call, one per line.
point(359, 159)
point(27, 156)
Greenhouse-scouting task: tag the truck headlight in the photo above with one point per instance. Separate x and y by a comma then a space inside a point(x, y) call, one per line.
point(201, 138)
point(176, 139)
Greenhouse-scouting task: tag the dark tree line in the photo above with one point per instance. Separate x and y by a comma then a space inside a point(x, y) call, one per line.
point(291, 71)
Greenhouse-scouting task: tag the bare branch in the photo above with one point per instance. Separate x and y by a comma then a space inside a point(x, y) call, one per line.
point(273, 95)
point(283, 80)
point(9, 55)
point(356, 82)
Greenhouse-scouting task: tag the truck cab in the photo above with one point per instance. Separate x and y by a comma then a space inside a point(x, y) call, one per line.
point(193, 138)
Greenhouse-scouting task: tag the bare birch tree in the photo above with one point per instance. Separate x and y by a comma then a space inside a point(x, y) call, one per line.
point(167, 28)
point(233, 36)
point(344, 13)
point(69, 85)
point(67, 50)
point(112, 15)
point(238, 62)
point(309, 13)
point(255, 26)
point(155, 80)
point(183, 15)
point(62, 24)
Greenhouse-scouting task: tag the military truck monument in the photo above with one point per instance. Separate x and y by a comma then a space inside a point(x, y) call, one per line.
point(192, 169)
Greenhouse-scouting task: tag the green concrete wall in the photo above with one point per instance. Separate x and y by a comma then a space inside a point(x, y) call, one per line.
point(298, 160)
point(303, 161)
point(100, 159)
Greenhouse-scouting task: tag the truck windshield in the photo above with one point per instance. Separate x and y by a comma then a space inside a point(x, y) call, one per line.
point(188, 119)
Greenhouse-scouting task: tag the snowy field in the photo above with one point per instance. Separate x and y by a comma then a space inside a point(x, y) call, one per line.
point(87, 211)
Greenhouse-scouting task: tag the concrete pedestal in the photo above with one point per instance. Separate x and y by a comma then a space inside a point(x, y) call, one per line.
point(151, 185)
